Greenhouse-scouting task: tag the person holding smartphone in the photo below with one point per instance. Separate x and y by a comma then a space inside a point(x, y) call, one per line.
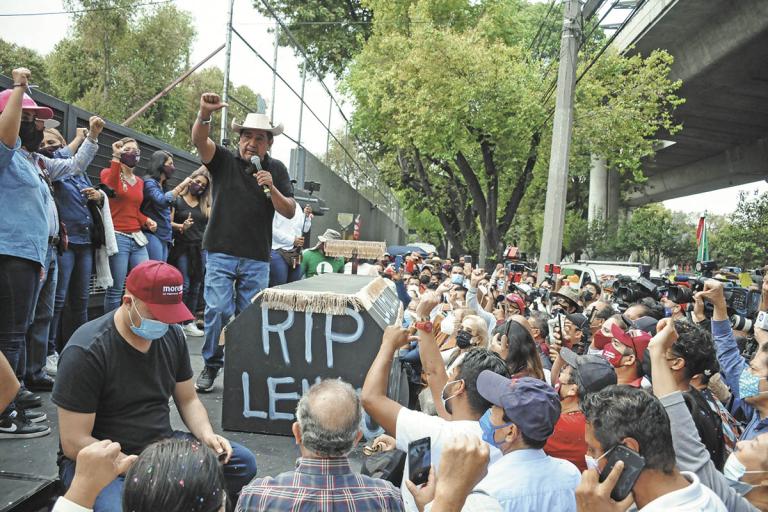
point(631, 457)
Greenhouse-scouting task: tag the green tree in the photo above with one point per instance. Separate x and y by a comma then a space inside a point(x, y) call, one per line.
point(13, 56)
point(741, 239)
point(331, 32)
point(455, 102)
point(132, 52)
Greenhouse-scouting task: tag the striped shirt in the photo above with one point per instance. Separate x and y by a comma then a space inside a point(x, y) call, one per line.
point(320, 485)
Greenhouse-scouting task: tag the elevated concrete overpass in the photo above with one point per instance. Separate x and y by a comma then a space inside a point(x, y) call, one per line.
point(721, 55)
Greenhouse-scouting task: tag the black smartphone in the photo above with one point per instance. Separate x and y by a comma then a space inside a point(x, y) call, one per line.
point(633, 465)
point(591, 316)
point(419, 460)
point(467, 259)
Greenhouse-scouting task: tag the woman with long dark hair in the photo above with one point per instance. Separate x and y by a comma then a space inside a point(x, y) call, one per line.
point(189, 219)
point(515, 345)
point(157, 203)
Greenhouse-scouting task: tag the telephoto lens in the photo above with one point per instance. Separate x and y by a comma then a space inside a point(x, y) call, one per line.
point(742, 323)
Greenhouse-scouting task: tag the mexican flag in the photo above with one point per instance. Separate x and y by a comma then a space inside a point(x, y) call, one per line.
point(702, 240)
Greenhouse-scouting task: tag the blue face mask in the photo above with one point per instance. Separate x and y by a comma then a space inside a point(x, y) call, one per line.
point(749, 385)
point(489, 429)
point(147, 329)
point(457, 279)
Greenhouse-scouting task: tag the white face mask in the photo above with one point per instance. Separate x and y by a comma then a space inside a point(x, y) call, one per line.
point(592, 463)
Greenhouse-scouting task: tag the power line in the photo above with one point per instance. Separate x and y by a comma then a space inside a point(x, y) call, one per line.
point(159, 2)
point(541, 26)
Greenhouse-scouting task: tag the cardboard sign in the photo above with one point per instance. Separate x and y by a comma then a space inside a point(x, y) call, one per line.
point(274, 354)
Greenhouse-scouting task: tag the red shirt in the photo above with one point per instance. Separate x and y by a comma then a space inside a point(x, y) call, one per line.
point(126, 216)
point(567, 441)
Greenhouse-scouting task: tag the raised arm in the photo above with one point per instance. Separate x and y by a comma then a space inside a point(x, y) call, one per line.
point(10, 118)
point(376, 403)
point(209, 103)
point(431, 361)
point(59, 168)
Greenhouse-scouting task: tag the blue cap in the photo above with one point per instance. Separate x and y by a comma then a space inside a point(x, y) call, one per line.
point(531, 404)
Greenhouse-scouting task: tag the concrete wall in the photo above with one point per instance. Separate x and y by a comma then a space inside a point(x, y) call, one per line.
point(340, 197)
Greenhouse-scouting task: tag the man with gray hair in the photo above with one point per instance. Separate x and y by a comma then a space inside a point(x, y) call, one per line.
point(327, 428)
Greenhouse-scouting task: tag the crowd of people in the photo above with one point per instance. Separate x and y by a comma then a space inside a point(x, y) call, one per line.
point(534, 392)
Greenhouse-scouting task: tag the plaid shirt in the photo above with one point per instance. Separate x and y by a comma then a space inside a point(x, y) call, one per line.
point(322, 485)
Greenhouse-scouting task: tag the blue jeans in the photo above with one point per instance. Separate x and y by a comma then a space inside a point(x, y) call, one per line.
point(192, 287)
point(226, 276)
point(239, 471)
point(75, 268)
point(32, 366)
point(129, 254)
point(280, 272)
point(18, 280)
point(156, 249)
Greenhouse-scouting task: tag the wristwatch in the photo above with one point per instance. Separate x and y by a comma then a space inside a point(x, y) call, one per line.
point(425, 326)
point(204, 121)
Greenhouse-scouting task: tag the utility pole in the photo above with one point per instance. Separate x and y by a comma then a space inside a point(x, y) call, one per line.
point(225, 93)
point(274, 74)
point(562, 126)
point(301, 109)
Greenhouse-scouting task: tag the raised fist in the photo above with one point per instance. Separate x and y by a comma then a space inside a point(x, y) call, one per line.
point(117, 148)
point(21, 76)
point(95, 125)
point(210, 102)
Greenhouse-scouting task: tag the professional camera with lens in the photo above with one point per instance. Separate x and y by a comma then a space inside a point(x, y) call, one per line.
point(630, 290)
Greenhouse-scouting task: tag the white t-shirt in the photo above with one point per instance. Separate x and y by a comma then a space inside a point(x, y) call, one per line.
point(413, 425)
point(694, 498)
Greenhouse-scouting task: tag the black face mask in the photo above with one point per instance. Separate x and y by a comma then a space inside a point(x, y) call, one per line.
point(463, 339)
point(48, 151)
point(588, 296)
point(30, 136)
point(424, 279)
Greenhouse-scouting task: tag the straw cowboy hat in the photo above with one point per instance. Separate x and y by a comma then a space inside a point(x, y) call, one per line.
point(257, 122)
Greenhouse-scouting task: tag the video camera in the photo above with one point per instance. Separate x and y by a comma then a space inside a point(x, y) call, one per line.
point(627, 290)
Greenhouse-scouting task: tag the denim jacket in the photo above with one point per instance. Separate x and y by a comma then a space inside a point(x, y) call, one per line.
point(157, 206)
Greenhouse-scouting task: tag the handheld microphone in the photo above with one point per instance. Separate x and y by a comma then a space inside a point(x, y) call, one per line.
point(256, 162)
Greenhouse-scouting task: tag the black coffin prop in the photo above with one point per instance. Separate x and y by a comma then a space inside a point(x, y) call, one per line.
point(293, 335)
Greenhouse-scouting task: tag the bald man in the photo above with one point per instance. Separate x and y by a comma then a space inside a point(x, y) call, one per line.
point(327, 428)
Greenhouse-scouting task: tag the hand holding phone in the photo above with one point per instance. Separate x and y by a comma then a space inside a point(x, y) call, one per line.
point(634, 463)
point(419, 460)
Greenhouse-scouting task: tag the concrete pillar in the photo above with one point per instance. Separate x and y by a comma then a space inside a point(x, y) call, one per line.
point(613, 195)
point(598, 189)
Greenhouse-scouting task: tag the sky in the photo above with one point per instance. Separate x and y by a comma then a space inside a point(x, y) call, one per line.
point(210, 18)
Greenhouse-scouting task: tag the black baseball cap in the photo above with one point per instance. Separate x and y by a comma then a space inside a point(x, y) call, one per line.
point(591, 372)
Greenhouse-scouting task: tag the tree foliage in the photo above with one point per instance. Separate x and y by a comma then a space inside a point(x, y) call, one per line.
point(13, 56)
point(740, 240)
point(116, 59)
point(331, 32)
point(452, 98)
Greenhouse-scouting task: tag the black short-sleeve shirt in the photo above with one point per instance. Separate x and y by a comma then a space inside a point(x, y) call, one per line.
point(99, 372)
point(241, 215)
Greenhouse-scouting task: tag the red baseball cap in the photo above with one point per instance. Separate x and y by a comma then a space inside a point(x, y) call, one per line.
point(634, 339)
point(161, 287)
point(27, 103)
point(517, 301)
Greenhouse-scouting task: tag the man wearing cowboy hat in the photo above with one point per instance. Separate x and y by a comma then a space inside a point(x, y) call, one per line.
point(568, 299)
point(239, 234)
point(314, 261)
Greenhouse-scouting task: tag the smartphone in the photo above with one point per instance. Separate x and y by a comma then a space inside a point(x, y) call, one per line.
point(591, 316)
point(468, 259)
point(561, 321)
point(553, 326)
point(634, 463)
point(398, 262)
point(419, 460)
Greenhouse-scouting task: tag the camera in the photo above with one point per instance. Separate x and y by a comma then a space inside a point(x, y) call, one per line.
point(634, 290)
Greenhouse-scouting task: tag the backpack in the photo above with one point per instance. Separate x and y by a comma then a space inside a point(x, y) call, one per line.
point(708, 424)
